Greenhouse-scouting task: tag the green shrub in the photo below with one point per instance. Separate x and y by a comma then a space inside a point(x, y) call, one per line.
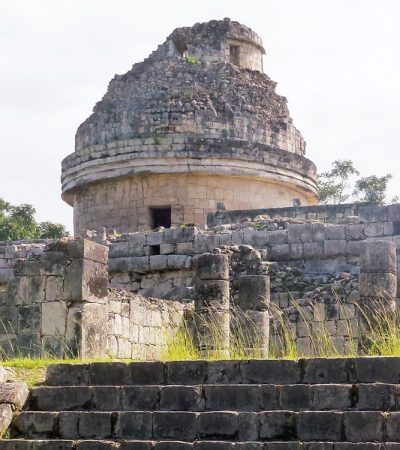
point(191, 60)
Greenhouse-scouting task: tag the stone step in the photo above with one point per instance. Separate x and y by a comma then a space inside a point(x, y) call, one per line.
point(19, 444)
point(242, 397)
point(352, 426)
point(303, 371)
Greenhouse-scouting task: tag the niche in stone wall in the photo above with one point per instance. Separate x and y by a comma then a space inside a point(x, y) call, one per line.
point(180, 44)
point(160, 216)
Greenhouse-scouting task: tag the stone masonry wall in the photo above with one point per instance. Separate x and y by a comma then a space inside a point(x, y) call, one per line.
point(10, 253)
point(158, 263)
point(313, 267)
point(139, 328)
point(322, 213)
point(314, 272)
point(56, 301)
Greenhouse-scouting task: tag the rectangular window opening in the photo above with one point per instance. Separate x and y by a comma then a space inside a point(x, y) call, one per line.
point(160, 216)
point(154, 250)
point(234, 51)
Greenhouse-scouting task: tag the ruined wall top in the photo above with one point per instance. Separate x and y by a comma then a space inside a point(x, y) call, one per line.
point(204, 81)
point(217, 40)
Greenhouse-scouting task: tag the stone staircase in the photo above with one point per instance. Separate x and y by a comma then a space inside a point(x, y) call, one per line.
point(315, 404)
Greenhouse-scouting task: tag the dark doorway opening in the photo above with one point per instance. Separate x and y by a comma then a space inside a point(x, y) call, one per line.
point(234, 51)
point(160, 216)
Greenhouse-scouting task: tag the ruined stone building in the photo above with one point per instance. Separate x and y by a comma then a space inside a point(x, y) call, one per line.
point(195, 126)
point(193, 159)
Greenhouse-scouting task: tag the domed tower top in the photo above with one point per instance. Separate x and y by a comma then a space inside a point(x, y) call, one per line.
point(218, 40)
point(194, 125)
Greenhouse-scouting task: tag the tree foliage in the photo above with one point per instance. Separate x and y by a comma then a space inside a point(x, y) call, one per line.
point(18, 222)
point(372, 188)
point(334, 185)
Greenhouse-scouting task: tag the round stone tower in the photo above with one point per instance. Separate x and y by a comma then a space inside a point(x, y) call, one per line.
point(195, 126)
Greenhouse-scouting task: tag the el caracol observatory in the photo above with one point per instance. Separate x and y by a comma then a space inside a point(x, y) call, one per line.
point(194, 126)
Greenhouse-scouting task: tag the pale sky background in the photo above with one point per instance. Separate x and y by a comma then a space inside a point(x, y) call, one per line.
point(337, 62)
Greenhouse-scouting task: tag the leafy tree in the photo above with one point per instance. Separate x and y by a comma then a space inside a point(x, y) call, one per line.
point(18, 222)
point(333, 185)
point(51, 230)
point(395, 199)
point(372, 188)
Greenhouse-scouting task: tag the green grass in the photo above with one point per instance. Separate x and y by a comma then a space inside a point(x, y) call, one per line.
point(32, 371)
point(381, 337)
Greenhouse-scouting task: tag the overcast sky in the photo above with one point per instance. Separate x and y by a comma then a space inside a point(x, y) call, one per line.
point(336, 61)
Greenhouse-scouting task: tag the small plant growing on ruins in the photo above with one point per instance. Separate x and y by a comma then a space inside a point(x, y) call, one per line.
point(191, 60)
point(258, 225)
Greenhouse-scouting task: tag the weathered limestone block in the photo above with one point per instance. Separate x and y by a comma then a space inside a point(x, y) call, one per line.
point(6, 415)
point(373, 213)
point(86, 280)
point(211, 294)
point(158, 262)
point(155, 238)
point(296, 251)
point(373, 229)
point(30, 289)
point(353, 248)
point(179, 262)
point(254, 292)
point(54, 318)
point(119, 249)
point(6, 374)
point(29, 318)
point(14, 394)
point(212, 267)
point(182, 234)
point(54, 288)
point(93, 330)
point(378, 278)
point(167, 249)
point(139, 264)
point(212, 321)
point(6, 275)
point(306, 233)
point(279, 252)
point(29, 343)
point(378, 257)
point(277, 237)
point(335, 232)
point(85, 249)
point(313, 249)
point(393, 212)
point(184, 248)
point(53, 263)
point(378, 285)
point(354, 231)
point(28, 268)
point(200, 244)
point(224, 239)
point(389, 228)
point(334, 247)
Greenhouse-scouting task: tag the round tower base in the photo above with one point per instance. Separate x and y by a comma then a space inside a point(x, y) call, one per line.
point(147, 201)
